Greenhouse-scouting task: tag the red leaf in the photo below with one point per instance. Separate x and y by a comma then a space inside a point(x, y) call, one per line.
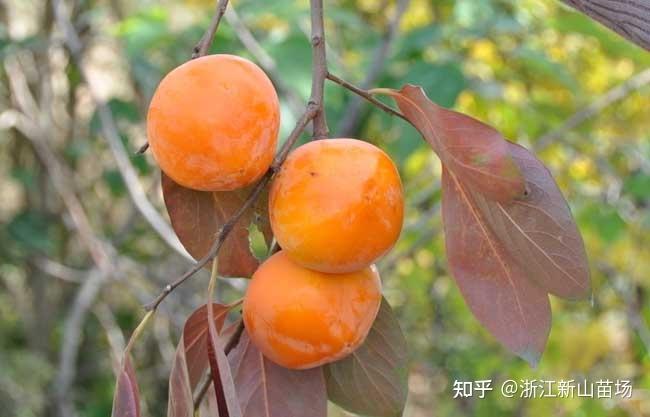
point(191, 360)
point(126, 400)
point(372, 380)
point(224, 386)
point(496, 288)
point(269, 390)
point(476, 153)
point(208, 407)
point(539, 231)
point(197, 216)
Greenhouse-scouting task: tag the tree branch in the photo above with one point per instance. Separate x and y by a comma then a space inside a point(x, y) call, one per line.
point(352, 112)
point(615, 94)
point(365, 95)
point(203, 46)
point(111, 134)
point(628, 18)
point(246, 37)
point(319, 69)
point(308, 115)
point(314, 112)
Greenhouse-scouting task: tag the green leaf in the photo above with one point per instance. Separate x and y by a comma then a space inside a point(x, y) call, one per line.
point(638, 185)
point(542, 66)
point(32, 230)
point(602, 220)
point(442, 82)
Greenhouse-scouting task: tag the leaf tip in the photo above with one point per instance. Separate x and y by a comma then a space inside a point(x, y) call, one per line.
point(531, 355)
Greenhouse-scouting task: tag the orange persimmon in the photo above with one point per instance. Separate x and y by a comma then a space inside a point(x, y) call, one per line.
point(213, 123)
point(300, 318)
point(336, 205)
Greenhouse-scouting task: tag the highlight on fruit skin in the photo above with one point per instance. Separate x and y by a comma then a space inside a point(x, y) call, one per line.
point(213, 123)
point(337, 205)
point(300, 318)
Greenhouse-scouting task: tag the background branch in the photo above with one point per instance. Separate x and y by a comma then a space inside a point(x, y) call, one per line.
point(111, 135)
point(615, 94)
point(352, 112)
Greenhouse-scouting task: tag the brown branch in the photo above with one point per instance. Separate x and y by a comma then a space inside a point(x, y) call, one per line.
point(295, 102)
point(365, 95)
point(142, 149)
point(309, 114)
point(613, 95)
point(319, 69)
point(628, 18)
point(352, 112)
point(202, 47)
point(314, 112)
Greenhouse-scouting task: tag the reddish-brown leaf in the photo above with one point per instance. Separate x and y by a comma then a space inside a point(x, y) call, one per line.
point(222, 380)
point(496, 288)
point(126, 400)
point(208, 407)
point(191, 360)
point(269, 390)
point(373, 379)
point(197, 216)
point(476, 153)
point(539, 231)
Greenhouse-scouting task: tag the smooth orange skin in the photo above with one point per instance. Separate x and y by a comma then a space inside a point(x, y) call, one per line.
point(300, 318)
point(337, 205)
point(213, 123)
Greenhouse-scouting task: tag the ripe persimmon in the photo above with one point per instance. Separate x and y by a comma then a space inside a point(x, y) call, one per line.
point(300, 318)
point(336, 205)
point(213, 123)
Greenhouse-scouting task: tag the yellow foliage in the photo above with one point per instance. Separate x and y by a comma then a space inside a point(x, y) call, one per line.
point(484, 50)
point(582, 167)
point(418, 14)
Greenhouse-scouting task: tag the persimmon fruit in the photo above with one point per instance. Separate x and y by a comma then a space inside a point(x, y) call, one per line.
point(300, 318)
point(213, 123)
point(336, 205)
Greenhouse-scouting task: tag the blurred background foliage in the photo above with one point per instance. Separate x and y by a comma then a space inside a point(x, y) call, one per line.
point(524, 66)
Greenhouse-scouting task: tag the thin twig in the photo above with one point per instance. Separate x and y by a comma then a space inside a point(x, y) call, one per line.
point(111, 134)
point(203, 46)
point(319, 69)
point(314, 112)
point(250, 200)
point(613, 95)
point(352, 112)
point(365, 94)
point(295, 102)
point(142, 149)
